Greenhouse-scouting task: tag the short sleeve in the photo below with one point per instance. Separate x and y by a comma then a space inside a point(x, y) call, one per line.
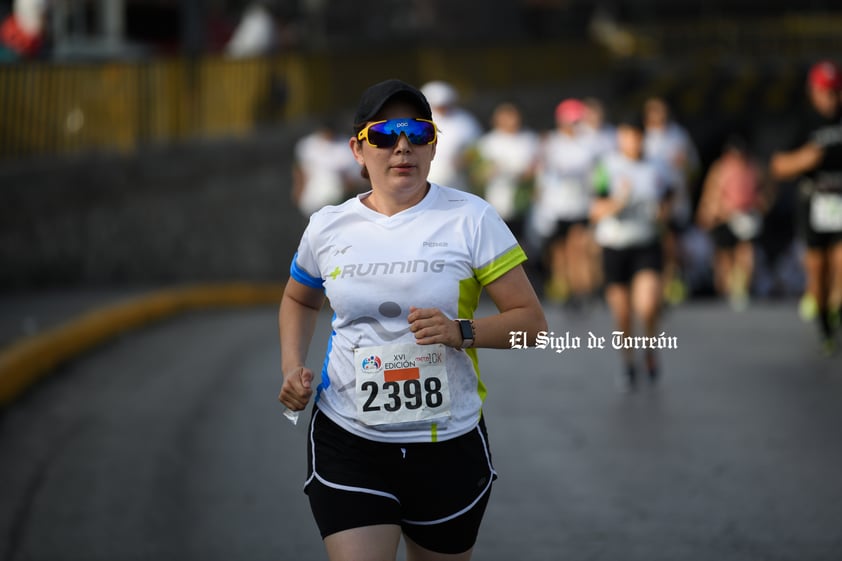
point(304, 267)
point(496, 251)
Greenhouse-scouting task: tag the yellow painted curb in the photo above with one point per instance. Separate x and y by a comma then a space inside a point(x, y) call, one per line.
point(26, 361)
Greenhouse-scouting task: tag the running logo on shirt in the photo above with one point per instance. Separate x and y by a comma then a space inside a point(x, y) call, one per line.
point(352, 270)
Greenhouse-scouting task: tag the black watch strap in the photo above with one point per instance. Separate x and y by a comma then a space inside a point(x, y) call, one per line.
point(466, 328)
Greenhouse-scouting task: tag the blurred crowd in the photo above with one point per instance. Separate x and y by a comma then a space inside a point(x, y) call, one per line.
point(131, 29)
point(543, 184)
point(42, 29)
point(718, 220)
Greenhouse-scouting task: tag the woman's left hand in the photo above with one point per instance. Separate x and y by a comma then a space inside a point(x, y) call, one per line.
point(431, 326)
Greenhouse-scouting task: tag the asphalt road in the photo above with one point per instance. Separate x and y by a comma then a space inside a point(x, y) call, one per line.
point(168, 444)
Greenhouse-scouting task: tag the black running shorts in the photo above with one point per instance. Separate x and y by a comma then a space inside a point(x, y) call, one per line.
point(812, 238)
point(820, 240)
point(723, 237)
point(562, 228)
point(436, 492)
point(620, 265)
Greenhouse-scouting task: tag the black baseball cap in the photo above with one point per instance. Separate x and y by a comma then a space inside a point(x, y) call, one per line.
point(375, 97)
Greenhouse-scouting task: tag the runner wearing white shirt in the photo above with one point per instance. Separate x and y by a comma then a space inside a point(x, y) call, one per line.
point(561, 205)
point(458, 131)
point(400, 399)
point(324, 170)
point(507, 155)
point(668, 142)
point(595, 129)
point(631, 205)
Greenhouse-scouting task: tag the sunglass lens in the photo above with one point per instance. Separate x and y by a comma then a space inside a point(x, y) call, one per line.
point(380, 138)
point(424, 133)
point(385, 135)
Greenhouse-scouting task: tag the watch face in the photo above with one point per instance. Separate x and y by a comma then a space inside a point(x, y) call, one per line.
point(467, 332)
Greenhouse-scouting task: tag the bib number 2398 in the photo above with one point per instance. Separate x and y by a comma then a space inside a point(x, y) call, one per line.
point(401, 383)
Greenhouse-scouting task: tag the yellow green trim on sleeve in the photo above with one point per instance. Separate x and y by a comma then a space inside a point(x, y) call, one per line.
point(482, 391)
point(498, 267)
point(469, 293)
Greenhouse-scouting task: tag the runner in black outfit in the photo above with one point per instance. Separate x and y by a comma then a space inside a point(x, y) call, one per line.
point(817, 163)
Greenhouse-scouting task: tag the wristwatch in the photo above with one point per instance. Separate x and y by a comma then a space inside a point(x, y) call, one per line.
point(466, 328)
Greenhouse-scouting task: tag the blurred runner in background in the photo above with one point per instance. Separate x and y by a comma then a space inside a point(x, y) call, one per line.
point(596, 129)
point(324, 171)
point(731, 210)
point(816, 160)
point(561, 205)
point(505, 169)
point(631, 205)
point(670, 143)
point(458, 131)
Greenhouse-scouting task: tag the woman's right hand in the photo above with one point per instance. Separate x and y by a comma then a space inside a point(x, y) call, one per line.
point(297, 388)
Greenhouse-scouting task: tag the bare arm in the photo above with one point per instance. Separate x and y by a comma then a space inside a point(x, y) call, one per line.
point(297, 317)
point(789, 165)
point(520, 310)
point(604, 207)
point(706, 214)
point(519, 307)
point(611, 205)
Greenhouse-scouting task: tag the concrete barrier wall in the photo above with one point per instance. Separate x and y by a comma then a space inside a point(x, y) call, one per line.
point(204, 211)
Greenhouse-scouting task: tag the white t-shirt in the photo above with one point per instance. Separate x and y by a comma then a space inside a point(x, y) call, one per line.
point(458, 131)
point(670, 146)
point(602, 140)
point(255, 35)
point(325, 163)
point(563, 183)
point(509, 157)
point(636, 225)
point(439, 253)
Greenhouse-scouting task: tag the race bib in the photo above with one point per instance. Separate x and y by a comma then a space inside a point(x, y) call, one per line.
point(401, 383)
point(609, 232)
point(826, 212)
point(745, 225)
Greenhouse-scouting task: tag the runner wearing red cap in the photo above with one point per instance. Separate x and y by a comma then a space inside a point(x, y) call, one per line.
point(562, 204)
point(825, 75)
point(816, 162)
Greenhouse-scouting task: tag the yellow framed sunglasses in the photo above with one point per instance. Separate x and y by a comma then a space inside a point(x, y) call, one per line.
point(385, 134)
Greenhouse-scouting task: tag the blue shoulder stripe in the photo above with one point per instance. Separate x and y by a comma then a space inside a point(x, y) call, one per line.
point(303, 276)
